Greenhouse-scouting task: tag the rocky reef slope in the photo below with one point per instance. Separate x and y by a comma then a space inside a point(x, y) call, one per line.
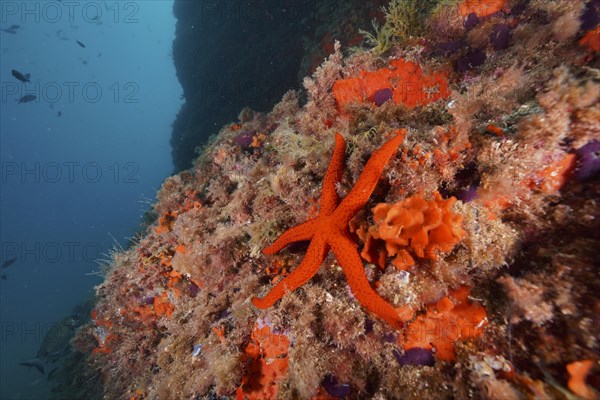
point(481, 233)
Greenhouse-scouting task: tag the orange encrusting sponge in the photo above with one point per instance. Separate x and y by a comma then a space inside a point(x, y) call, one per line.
point(406, 80)
point(482, 8)
point(452, 318)
point(266, 359)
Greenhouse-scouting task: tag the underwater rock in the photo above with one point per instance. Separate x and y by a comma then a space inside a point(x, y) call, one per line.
point(506, 134)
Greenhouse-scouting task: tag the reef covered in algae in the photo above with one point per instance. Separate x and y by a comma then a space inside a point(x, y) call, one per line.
point(482, 230)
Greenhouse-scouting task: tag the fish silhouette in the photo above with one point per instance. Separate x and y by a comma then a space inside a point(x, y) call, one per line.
point(20, 76)
point(55, 346)
point(27, 98)
point(9, 262)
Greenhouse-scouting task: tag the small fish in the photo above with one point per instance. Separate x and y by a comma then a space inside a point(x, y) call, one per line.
point(9, 31)
point(9, 262)
point(14, 27)
point(54, 347)
point(81, 44)
point(27, 98)
point(3, 276)
point(20, 76)
point(58, 114)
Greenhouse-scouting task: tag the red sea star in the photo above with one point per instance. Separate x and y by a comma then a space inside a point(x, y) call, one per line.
point(329, 231)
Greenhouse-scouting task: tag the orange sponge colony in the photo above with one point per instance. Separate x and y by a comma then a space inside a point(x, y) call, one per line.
point(405, 79)
point(266, 359)
point(482, 8)
point(450, 319)
point(426, 228)
point(578, 371)
point(592, 40)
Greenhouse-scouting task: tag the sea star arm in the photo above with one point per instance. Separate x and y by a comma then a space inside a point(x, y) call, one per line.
point(315, 255)
point(298, 233)
point(335, 170)
point(366, 182)
point(347, 255)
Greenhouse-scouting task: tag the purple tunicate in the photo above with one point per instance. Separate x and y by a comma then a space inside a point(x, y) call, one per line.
point(467, 195)
point(149, 300)
point(389, 337)
point(500, 36)
point(369, 324)
point(470, 60)
point(590, 17)
point(194, 290)
point(447, 48)
point(415, 356)
point(471, 21)
point(588, 161)
point(382, 95)
point(335, 389)
point(244, 139)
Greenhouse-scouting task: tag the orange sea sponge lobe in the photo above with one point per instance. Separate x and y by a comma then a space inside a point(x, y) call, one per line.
point(409, 85)
point(452, 318)
point(266, 359)
point(416, 226)
point(482, 8)
point(162, 306)
point(578, 371)
point(592, 40)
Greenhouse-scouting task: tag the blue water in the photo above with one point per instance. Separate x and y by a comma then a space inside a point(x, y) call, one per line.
point(70, 183)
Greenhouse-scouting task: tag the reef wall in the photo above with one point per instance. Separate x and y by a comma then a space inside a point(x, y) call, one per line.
point(453, 238)
point(235, 54)
point(229, 55)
